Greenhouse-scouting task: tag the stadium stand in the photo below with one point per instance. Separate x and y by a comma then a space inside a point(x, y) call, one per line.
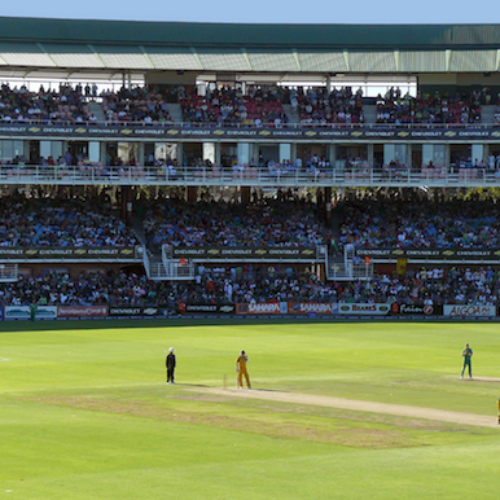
point(200, 176)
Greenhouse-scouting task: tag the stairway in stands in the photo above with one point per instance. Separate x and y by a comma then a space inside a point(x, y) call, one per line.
point(175, 112)
point(292, 119)
point(370, 112)
point(96, 108)
point(488, 114)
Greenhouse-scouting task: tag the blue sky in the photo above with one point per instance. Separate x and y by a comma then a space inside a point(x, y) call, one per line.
point(264, 11)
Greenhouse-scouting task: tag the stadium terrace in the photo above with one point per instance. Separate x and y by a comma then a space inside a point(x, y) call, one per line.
point(169, 169)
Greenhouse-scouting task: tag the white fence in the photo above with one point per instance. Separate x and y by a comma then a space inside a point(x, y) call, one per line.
point(8, 273)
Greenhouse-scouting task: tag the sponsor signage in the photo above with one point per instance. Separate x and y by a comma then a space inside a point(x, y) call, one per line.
point(125, 311)
point(133, 311)
point(416, 310)
point(312, 308)
point(272, 308)
point(67, 253)
point(123, 132)
point(24, 312)
point(82, 311)
point(208, 308)
point(242, 253)
point(365, 309)
point(466, 254)
point(469, 310)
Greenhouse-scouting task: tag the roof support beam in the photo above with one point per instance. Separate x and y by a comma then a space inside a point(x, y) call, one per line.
point(247, 59)
point(396, 59)
point(146, 56)
point(42, 48)
point(448, 59)
point(346, 59)
point(296, 57)
point(91, 47)
point(497, 65)
point(197, 57)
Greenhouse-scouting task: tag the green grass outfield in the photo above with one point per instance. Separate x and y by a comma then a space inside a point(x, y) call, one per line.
point(85, 412)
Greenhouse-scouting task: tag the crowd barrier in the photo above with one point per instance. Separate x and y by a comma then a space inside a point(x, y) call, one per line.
point(269, 309)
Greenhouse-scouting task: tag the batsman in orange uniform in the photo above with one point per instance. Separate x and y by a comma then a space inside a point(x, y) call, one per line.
point(241, 369)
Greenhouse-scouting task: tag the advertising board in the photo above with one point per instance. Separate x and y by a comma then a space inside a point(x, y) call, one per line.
point(268, 308)
point(365, 309)
point(82, 311)
point(307, 308)
point(469, 310)
point(416, 310)
point(24, 312)
point(208, 308)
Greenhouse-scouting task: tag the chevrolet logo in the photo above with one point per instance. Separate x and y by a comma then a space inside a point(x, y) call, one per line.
point(126, 131)
point(261, 252)
point(31, 252)
point(219, 132)
point(496, 134)
point(265, 132)
point(450, 133)
point(213, 252)
point(357, 134)
point(311, 134)
point(34, 129)
point(126, 251)
point(448, 252)
point(308, 252)
point(403, 134)
point(398, 252)
point(80, 252)
point(172, 132)
point(80, 130)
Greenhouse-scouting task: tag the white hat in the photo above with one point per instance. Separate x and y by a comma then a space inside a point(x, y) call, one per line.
point(171, 349)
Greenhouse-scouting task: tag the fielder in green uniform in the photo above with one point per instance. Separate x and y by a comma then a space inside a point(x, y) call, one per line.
point(467, 354)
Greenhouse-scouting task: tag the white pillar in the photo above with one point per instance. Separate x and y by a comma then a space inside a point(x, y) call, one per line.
point(427, 153)
point(389, 153)
point(209, 151)
point(94, 151)
point(45, 149)
point(285, 152)
point(243, 152)
point(477, 152)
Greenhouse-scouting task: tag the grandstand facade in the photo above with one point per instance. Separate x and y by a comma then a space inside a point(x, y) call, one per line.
point(246, 148)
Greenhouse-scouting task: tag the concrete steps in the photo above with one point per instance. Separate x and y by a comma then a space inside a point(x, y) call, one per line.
point(370, 112)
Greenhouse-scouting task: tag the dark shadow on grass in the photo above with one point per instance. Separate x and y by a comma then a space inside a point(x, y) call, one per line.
point(87, 324)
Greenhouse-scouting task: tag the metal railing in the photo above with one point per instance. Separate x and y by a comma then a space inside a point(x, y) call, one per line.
point(349, 272)
point(8, 273)
point(366, 176)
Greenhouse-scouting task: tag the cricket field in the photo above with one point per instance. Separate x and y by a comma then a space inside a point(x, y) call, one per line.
point(355, 411)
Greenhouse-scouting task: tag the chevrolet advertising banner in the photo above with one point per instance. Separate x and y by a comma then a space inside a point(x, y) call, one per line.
point(171, 133)
point(67, 253)
point(296, 254)
point(465, 254)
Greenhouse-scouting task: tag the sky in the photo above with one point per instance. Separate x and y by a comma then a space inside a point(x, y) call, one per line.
point(264, 11)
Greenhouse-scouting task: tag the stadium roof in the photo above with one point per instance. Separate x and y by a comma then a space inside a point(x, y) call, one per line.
point(113, 46)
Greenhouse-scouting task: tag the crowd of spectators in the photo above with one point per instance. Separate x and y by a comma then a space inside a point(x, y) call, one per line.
point(139, 104)
point(426, 108)
point(228, 106)
point(259, 284)
point(318, 107)
point(63, 106)
point(264, 222)
point(60, 222)
point(397, 222)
